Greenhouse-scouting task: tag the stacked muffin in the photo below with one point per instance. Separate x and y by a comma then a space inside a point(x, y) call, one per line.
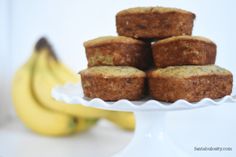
point(119, 66)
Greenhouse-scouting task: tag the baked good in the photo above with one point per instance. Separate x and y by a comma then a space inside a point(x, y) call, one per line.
point(183, 50)
point(112, 83)
point(191, 83)
point(154, 22)
point(119, 51)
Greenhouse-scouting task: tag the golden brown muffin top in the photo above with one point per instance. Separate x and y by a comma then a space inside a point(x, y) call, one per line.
point(184, 37)
point(111, 39)
point(147, 10)
point(188, 71)
point(113, 71)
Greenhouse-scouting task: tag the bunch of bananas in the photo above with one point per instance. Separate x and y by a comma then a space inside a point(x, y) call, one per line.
point(36, 108)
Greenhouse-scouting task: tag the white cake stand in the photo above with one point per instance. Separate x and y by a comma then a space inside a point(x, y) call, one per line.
point(150, 138)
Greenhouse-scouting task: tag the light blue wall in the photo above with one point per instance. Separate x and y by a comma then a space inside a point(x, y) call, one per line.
point(5, 60)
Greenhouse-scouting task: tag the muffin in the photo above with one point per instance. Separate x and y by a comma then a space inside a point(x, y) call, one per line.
point(183, 50)
point(112, 83)
point(191, 83)
point(118, 51)
point(154, 22)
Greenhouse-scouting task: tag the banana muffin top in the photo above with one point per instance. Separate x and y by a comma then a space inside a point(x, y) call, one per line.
point(111, 39)
point(113, 71)
point(144, 10)
point(188, 71)
point(185, 37)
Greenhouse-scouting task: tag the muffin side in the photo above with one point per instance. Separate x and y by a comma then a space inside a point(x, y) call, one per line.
point(192, 83)
point(113, 83)
point(154, 22)
point(118, 51)
point(184, 50)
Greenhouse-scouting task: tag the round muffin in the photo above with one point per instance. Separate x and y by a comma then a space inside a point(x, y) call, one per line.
point(118, 51)
point(183, 50)
point(191, 83)
point(154, 22)
point(113, 83)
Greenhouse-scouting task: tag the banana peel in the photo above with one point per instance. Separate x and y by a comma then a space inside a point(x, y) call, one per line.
point(32, 112)
point(124, 120)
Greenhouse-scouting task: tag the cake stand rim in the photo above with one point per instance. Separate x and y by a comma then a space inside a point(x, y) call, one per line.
point(68, 94)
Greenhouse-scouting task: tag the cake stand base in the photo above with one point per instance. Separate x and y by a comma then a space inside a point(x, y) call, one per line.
point(150, 138)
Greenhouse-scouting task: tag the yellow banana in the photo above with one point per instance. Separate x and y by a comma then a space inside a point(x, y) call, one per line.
point(124, 120)
point(85, 124)
point(31, 112)
point(63, 73)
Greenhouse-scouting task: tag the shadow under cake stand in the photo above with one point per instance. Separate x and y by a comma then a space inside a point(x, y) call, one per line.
point(150, 138)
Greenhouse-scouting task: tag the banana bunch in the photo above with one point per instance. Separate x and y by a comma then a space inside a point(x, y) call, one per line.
point(32, 85)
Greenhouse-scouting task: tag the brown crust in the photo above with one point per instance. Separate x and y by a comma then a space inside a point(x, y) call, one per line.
point(191, 89)
point(154, 24)
point(119, 54)
point(111, 39)
point(183, 50)
point(113, 88)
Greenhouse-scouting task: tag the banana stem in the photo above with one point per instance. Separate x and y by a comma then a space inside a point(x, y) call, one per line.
point(43, 44)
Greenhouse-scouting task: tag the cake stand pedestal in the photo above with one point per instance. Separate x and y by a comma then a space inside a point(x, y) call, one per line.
point(150, 138)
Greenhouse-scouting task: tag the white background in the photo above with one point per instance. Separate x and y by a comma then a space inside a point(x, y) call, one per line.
point(67, 24)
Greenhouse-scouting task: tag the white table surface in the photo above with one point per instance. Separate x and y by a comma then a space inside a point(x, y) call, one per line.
point(212, 126)
point(102, 141)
